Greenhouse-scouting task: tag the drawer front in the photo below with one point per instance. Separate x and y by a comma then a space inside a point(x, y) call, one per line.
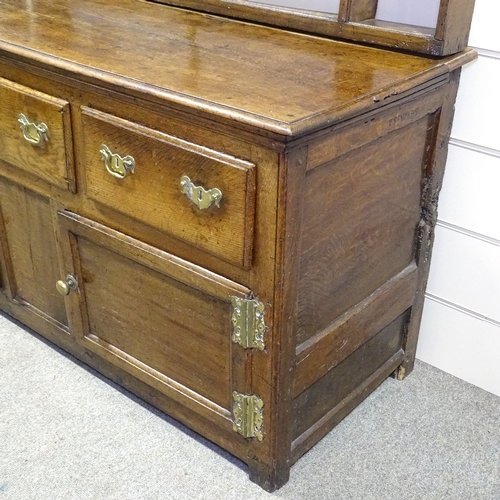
point(196, 194)
point(160, 318)
point(35, 134)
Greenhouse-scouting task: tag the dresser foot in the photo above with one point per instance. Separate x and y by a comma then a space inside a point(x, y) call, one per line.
point(267, 477)
point(404, 369)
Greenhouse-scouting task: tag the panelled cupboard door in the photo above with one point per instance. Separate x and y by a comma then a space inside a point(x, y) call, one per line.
point(164, 320)
point(29, 252)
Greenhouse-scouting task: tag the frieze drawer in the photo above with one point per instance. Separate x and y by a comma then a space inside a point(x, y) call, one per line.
point(199, 195)
point(35, 134)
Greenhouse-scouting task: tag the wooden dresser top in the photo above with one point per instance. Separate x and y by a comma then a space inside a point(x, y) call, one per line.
point(262, 77)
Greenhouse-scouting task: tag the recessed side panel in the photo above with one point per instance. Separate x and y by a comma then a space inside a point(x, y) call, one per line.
point(365, 205)
point(360, 222)
point(318, 409)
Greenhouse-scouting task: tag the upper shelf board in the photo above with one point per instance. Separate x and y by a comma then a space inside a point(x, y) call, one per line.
point(434, 27)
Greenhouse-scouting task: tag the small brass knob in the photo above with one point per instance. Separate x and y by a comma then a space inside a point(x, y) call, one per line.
point(65, 287)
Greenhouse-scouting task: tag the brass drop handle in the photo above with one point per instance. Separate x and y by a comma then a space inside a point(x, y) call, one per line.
point(118, 166)
point(200, 196)
point(38, 135)
point(65, 287)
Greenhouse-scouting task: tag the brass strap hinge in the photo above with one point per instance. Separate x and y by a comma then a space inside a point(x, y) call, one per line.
point(248, 323)
point(248, 418)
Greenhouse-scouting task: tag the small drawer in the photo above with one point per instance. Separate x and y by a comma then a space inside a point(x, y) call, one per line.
point(194, 193)
point(35, 134)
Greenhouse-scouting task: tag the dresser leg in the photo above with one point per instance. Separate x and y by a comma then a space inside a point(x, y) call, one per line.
point(267, 477)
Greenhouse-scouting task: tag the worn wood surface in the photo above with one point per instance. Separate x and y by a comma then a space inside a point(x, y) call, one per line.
point(325, 424)
point(453, 25)
point(210, 65)
point(356, 21)
point(328, 391)
point(30, 250)
point(329, 347)
point(280, 365)
point(360, 219)
point(357, 10)
point(167, 321)
point(152, 194)
point(53, 161)
point(329, 156)
point(433, 179)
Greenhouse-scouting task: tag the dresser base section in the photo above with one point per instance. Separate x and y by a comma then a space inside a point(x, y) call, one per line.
point(316, 411)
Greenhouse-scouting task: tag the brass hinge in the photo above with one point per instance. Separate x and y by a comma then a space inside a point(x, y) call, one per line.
point(248, 418)
point(248, 322)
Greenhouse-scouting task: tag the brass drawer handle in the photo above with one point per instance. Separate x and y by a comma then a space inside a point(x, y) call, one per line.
point(117, 165)
point(65, 287)
point(202, 198)
point(38, 135)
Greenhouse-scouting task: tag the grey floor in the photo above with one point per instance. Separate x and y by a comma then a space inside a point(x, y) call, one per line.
point(67, 434)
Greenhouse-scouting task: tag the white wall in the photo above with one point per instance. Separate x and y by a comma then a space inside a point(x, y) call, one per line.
point(419, 13)
point(461, 325)
point(331, 6)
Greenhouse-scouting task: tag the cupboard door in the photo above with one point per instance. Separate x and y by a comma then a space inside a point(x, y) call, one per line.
point(163, 320)
point(30, 266)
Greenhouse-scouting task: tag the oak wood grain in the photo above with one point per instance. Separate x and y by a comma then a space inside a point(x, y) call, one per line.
point(53, 161)
point(168, 323)
point(152, 194)
point(357, 10)
point(361, 213)
point(193, 46)
point(318, 355)
point(310, 437)
point(449, 36)
point(336, 385)
point(30, 246)
point(331, 158)
point(435, 164)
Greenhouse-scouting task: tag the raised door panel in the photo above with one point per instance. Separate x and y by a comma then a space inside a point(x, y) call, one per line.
point(30, 268)
point(160, 318)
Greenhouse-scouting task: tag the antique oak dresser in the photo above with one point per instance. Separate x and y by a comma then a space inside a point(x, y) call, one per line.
point(232, 220)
